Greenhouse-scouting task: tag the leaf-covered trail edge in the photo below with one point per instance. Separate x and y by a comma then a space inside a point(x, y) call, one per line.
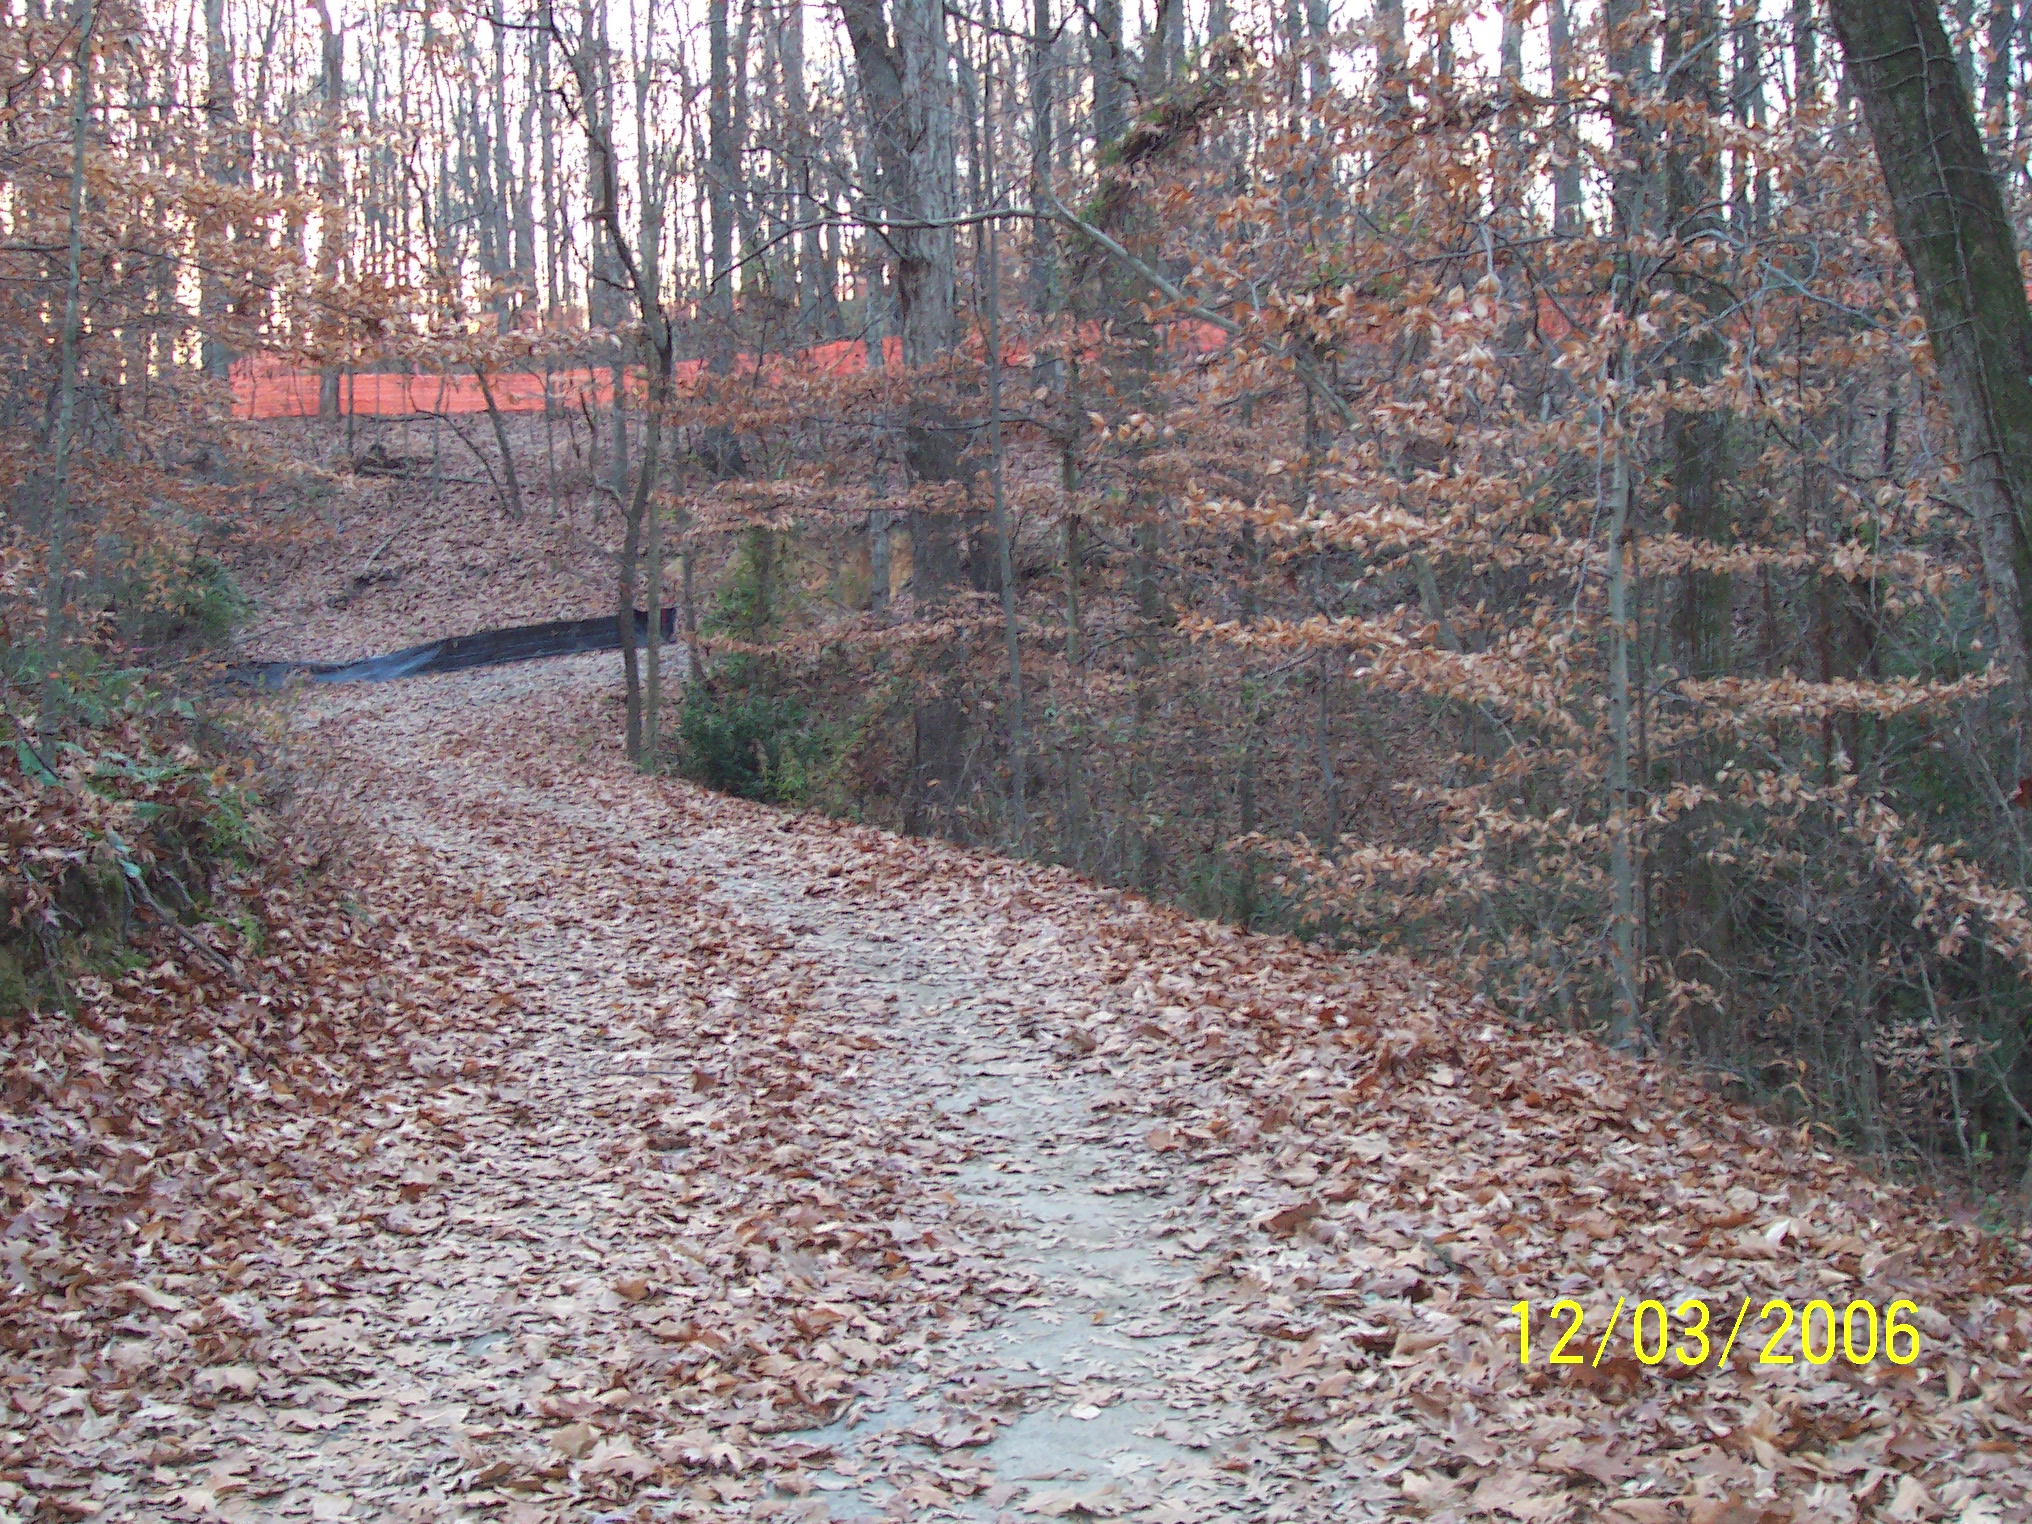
point(734, 1163)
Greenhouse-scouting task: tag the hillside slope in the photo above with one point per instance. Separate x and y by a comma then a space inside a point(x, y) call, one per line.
point(383, 561)
point(749, 1165)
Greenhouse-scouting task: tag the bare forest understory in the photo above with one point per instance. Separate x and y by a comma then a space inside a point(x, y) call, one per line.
point(669, 1152)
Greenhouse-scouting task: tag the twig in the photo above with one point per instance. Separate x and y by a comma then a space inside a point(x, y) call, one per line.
point(209, 953)
point(368, 565)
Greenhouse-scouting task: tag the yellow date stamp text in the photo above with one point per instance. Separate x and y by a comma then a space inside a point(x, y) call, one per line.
point(1684, 1334)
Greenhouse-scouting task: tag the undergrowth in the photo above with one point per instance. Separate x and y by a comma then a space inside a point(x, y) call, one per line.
point(123, 809)
point(741, 732)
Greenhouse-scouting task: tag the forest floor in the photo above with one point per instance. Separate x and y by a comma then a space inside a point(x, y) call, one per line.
point(727, 1162)
point(376, 563)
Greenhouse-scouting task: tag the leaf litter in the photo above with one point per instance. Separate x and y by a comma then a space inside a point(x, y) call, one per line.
point(628, 1151)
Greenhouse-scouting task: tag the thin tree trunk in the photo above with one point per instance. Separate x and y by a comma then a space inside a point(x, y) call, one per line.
point(525, 186)
point(1510, 49)
point(646, 508)
point(501, 202)
point(331, 188)
point(1997, 80)
point(553, 265)
point(1068, 472)
point(1005, 562)
point(695, 667)
point(755, 276)
point(631, 552)
point(1329, 786)
point(1805, 56)
point(1319, 67)
point(1105, 48)
point(878, 560)
point(1696, 439)
point(1566, 188)
point(1043, 251)
point(1626, 1027)
point(619, 463)
point(550, 436)
point(810, 278)
point(1252, 727)
point(1390, 59)
point(58, 572)
point(720, 171)
point(646, 274)
point(511, 485)
point(223, 157)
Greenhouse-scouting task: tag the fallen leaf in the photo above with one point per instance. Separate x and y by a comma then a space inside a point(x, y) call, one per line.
point(1289, 1220)
point(240, 1379)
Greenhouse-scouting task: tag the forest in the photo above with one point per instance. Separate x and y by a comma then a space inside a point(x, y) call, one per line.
point(1415, 614)
point(1187, 448)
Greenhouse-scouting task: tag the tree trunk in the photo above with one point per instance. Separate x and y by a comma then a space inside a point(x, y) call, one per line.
point(331, 186)
point(1805, 56)
point(646, 275)
point(1390, 59)
point(553, 245)
point(214, 300)
point(720, 171)
point(754, 276)
point(501, 202)
point(1950, 220)
point(1319, 68)
point(58, 571)
point(1019, 760)
point(1566, 189)
point(1629, 56)
point(647, 509)
point(812, 278)
point(1104, 22)
point(1753, 181)
point(1696, 439)
point(624, 613)
point(905, 83)
point(1043, 249)
point(511, 485)
point(525, 186)
point(1997, 80)
point(1626, 1026)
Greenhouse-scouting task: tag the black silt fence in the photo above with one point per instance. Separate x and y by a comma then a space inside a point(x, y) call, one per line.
point(458, 653)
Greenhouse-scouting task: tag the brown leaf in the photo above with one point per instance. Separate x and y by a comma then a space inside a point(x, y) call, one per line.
point(1288, 1220)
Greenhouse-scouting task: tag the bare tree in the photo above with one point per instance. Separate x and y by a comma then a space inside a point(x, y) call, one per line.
point(221, 133)
point(901, 61)
point(56, 579)
point(333, 230)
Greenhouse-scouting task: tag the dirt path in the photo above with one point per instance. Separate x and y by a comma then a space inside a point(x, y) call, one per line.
point(763, 1167)
point(552, 1177)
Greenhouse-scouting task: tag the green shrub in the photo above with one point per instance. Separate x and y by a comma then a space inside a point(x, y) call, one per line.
point(757, 745)
point(179, 598)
